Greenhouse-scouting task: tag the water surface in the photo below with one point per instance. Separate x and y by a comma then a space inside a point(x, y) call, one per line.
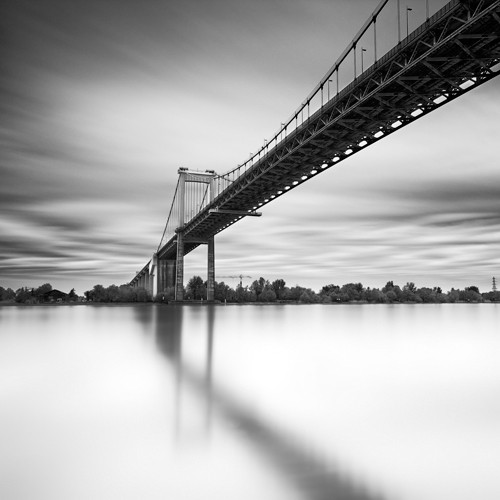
point(243, 402)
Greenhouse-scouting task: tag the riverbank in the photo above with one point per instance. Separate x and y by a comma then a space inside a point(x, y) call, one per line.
point(218, 303)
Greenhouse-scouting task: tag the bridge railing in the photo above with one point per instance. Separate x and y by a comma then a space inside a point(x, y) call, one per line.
point(390, 23)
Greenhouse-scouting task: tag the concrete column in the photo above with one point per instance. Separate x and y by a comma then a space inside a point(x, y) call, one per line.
point(181, 190)
point(153, 275)
point(179, 261)
point(161, 282)
point(165, 277)
point(171, 273)
point(211, 270)
point(179, 275)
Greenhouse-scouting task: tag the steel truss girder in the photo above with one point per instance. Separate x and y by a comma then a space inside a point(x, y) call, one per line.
point(351, 116)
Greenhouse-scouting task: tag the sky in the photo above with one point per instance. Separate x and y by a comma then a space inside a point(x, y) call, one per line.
point(101, 101)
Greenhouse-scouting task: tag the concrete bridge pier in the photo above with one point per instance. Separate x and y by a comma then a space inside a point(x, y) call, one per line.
point(175, 269)
point(161, 276)
point(211, 270)
point(179, 271)
point(170, 271)
point(153, 275)
point(166, 274)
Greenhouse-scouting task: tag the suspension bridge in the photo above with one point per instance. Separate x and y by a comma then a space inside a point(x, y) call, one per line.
point(363, 98)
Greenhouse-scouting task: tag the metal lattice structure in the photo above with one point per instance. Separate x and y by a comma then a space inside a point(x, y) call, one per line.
point(453, 51)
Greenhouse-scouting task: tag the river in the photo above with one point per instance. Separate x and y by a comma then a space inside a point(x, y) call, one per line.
point(268, 402)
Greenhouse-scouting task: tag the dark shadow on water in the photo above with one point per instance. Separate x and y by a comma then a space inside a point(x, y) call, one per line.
point(144, 316)
point(315, 478)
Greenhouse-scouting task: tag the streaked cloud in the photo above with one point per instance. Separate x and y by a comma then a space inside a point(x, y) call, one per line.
point(102, 101)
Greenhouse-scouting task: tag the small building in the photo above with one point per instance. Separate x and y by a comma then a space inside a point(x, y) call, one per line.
point(54, 296)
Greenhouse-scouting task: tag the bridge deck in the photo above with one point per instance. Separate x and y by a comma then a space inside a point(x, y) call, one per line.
point(445, 57)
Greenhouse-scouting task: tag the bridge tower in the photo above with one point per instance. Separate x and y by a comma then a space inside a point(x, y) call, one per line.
point(191, 200)
point(453, 51)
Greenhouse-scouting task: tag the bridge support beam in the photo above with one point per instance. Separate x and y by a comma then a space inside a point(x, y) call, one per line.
point(179, 272)
point(170, 273)
point(166, 275)
point(153, 276)
point(161, 275)
point(211, 270)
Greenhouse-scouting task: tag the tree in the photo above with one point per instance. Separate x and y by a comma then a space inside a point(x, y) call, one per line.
point(112, 294)
point(126, 293)
point(493, 296)
point(453, 295)
point(267, 295)
point(7, 294)
point(24, 295)
point(376, 296)
point(243, 294)
point(470, 295)
point(329, 289)
point(392, 292)
point(295, 292)
point(196, 288)
point(98, 294)
point(331, 293)
point(42, 290)
point(307, 297)
point(224, 293)
point(142, 295)
point(278, 286)
point(354, 291)
point(258, 286)
point(427, 295)
point(409, 296)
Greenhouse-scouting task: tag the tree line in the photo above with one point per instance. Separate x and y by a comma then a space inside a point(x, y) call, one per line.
point(43, 293)
point(263, 290)
point(260, 290)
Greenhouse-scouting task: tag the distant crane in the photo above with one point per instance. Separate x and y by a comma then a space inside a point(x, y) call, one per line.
point(240, 276)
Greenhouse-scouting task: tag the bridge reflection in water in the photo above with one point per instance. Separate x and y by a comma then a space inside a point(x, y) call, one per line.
point(312, 477)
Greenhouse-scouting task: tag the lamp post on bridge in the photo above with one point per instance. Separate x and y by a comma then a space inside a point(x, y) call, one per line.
point(408, 10)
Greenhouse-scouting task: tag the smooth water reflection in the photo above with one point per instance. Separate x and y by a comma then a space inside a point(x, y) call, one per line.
point(268, 402)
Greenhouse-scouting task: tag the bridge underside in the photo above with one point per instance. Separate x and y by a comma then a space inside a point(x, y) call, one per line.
point(447, 56)
point(455, 51)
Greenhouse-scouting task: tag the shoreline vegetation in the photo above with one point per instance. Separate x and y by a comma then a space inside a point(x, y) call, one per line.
point(261, 291)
